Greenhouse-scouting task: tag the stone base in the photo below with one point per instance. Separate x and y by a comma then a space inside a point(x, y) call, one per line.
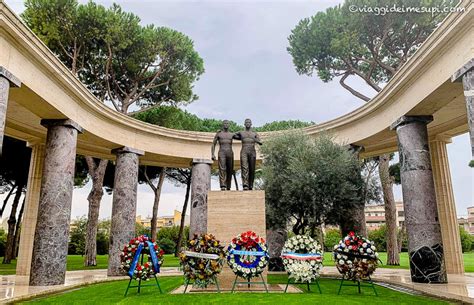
point(230, 213)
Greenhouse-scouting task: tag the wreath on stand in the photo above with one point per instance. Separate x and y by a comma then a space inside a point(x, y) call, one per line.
point(202, 260)
point(303, 258)
point(247, 255)
point(356, 257)
point(130, 258)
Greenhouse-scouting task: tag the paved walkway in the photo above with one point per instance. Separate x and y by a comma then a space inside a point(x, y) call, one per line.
point(460, 287)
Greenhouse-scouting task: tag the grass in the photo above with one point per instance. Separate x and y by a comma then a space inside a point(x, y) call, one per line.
point(112, 293)
point(76, 262)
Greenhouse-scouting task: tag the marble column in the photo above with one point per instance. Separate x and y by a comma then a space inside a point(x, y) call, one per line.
point(425, 245)
point(28, 226)
point(200, 186)
point(48, 266)
point(124, 205)
point(6, 80)
point(466, 75)
point(446, 206)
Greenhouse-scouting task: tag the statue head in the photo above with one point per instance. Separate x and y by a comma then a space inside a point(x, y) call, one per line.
point(248, 123)
point(225, 125)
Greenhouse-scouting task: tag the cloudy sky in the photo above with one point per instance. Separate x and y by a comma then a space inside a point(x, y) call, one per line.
point(250, 74)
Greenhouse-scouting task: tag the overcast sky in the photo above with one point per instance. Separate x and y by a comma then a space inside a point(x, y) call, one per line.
point(250, 74)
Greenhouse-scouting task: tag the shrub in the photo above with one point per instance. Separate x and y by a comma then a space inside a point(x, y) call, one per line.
point(378, 237)
point(466, 240)
point(3, 241)
point(331, 238)
point(167, 245)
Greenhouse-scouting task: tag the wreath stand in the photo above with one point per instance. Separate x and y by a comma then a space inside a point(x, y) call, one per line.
point(140, 281)
point(188, 281)
point(248, 282)
point(358, 285)
point(316, 282)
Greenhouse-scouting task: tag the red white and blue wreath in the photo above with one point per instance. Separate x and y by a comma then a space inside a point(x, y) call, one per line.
point(356, 257)
point(303, 258)
point(130, 258)
point(247, 255)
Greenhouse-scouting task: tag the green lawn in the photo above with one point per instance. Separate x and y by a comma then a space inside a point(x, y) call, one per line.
point(76, 262)
point(112, 293)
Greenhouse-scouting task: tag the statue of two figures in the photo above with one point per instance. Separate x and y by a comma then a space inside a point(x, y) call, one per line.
point(248, 155)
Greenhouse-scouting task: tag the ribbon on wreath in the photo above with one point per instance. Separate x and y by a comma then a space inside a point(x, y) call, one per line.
point(136, 257)
point(201, 255)
point(134, 263)
point(252, 253)
point(302, 256)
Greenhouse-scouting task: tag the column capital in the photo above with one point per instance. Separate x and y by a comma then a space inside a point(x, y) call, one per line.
point(408, 119)
point(441, 138)
point(457, 76)
point(62, 122)
point(14, 81)
point(202, 161)
point(127, 149)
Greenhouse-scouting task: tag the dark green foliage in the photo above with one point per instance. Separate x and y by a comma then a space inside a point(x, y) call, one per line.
point(466, 240)
point(309, 180)
point(172, 233)
point(283, 125)
point(331, 238)
point(378, 236)
point(342, 43)
point(395, 173)
point(3, 241)
point(77, 236)
point(167, 245)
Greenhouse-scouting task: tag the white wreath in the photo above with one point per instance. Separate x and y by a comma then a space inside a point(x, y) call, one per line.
point(303, 258)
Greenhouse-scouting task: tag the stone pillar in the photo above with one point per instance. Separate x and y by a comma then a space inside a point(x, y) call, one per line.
point(48, 266)
point(425, 245)
point(466, 75)
point(6, 80)
point(200, 186)
point(446, 206)
point(124, 205)
point(28, 226)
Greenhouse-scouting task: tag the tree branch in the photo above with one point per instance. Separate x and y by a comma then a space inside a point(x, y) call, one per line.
point(351, 90)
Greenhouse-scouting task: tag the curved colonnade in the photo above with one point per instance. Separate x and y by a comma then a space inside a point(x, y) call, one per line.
point(43, 104)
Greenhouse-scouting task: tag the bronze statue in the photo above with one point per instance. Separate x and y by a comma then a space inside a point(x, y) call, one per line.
point(248, 155)
point(225, 154)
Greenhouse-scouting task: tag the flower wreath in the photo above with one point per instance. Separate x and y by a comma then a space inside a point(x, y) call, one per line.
point(356, 257)
point(130, 258)
point(303, 258)
point(202, 259)
point(247, 255)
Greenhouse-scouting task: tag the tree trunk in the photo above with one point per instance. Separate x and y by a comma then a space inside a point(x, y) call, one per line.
point(18, 228)
point(156, 203)
point(393, 256)
point(5, 201)
point(276, 238)
point(97, 174)
point(183, 216)
point(10, 244)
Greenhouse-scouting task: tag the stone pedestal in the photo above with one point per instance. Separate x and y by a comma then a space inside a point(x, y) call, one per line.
point(425, 245)
point(48, 266)
point(124, 205)
point(446, 206)
point(28, 225)
point(230, 213)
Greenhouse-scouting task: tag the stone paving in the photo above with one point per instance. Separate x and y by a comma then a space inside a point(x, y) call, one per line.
point(460, 287)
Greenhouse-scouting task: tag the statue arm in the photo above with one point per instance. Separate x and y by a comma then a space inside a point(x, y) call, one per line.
point(213, 148)
point(237, 136)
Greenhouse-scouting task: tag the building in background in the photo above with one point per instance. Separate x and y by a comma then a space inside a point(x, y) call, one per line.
point(164, 221)
point(375, 215)
point(467, 222)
